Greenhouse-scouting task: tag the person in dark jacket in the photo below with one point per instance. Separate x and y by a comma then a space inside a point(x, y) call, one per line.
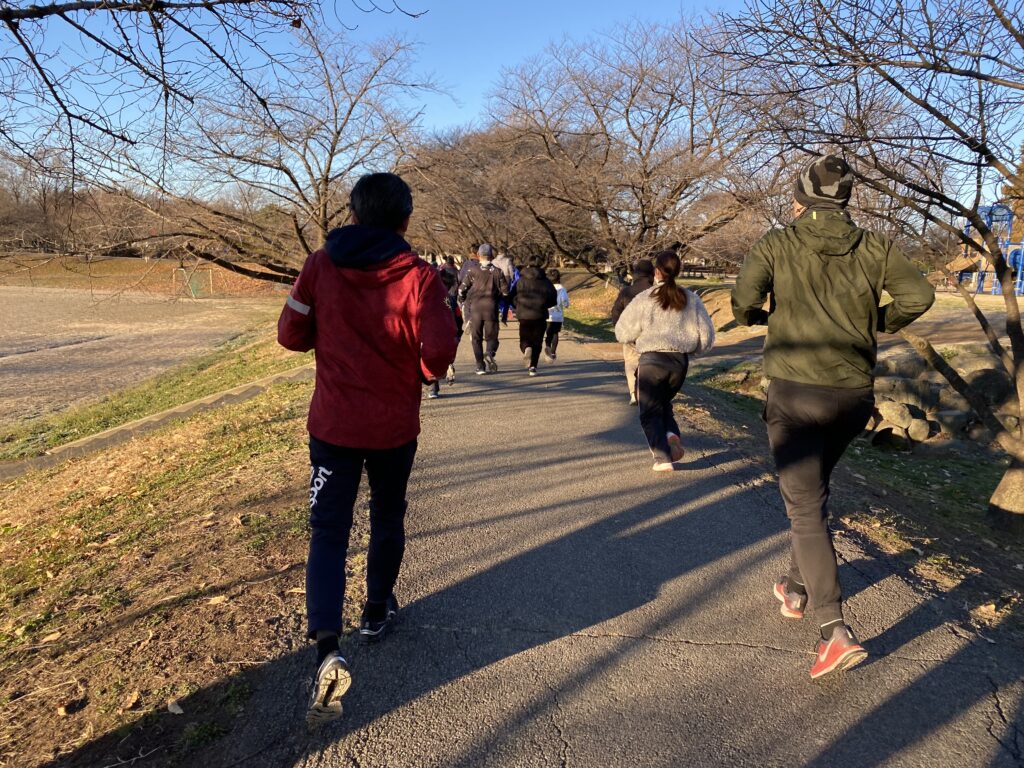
point(643, 279)
point(826, 277)
point(532, 296)
point(482, 289)
point(376, 315)
point(450, 280)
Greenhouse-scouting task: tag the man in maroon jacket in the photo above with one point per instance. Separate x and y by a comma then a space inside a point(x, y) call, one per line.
point(377, 316)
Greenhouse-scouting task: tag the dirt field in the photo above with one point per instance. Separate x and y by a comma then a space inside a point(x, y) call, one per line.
point(62, 347)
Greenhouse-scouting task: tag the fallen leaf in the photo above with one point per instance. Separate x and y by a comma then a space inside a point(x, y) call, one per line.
point(175, 708)
point(50, 637)
point(988, 609)
point(131, 700)
point(217, 600)
point(300, 591)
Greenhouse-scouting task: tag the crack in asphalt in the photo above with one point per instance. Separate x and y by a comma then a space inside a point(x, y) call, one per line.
point(1013, 748)
point(555, 635)
point(557, 710)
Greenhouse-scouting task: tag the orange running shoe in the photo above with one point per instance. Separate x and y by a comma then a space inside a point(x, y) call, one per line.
point(841, 652)
point(793, 603)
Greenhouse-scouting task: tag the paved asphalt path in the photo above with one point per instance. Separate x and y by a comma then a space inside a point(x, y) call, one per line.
point(565, 606)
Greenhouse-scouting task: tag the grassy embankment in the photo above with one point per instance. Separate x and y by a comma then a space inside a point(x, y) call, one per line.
point(166, 569)
point(244, 359)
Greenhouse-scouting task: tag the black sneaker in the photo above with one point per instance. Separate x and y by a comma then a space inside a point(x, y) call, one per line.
point(492, 366)
point(374, 631)
point(332, 681)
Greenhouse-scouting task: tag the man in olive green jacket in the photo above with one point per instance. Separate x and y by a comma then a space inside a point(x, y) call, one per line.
point(825, 277)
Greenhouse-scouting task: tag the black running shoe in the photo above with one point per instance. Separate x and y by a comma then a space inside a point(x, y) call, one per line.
point(492, 366)
point(374, 631)
point(331, 683)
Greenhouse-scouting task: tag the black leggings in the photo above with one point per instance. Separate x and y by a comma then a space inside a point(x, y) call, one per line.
point(659, 379)
point(531, 336)
point(809, 428)
point(551, 337)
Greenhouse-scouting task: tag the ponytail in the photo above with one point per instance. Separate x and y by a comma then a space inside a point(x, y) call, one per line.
point(668, 294)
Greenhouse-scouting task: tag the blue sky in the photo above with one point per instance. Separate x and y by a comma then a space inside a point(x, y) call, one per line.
point(467, 43)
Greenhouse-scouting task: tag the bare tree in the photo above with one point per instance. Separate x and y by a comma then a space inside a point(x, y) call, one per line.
point(927, 101)
point(629, 132)
point(86, 70)
point(262, 180)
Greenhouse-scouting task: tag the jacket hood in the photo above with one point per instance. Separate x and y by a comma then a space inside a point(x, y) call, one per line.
point(531, 273)
point(827, 232)
point(359, 247)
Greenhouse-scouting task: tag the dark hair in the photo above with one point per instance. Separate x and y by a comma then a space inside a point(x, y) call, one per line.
point(554, 275)
point(449, 260)
point(381, 200)
point(447, 278)
point(668, 294)
point(643, 267)
point(535, 261)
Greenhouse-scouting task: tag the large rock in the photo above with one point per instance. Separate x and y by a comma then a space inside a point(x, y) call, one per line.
point(918, 392)
point(904, 364)
point(953, 422)
point(919, 430)
point(896, 414)
point(993, 384)
point(951, 400)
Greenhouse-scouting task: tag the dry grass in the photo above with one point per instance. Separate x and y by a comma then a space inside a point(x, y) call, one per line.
point(128, 577)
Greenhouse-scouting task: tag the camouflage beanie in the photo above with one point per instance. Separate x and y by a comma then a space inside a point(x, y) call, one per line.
point(826, 181)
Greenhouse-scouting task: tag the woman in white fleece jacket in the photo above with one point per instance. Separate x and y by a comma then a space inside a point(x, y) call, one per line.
point(667, 324)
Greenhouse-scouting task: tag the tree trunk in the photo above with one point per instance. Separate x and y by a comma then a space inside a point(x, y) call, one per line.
point(1006, 507)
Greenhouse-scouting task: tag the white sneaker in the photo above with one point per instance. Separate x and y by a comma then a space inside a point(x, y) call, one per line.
point(332, 682)
point(533, 371)
point(664, 466)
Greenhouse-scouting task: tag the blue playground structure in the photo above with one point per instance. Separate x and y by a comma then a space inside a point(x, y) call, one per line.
point(999, 218)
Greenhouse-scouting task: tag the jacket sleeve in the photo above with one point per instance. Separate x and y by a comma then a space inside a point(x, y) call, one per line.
point(911, 293)
point(564, 298)
point(630, 322)
point(503, 284)
point(752, 287)
point(619, 306)
point(436, 329)
point(513, 296)
point(705, 328)
point(467, 283)
point(296, 328)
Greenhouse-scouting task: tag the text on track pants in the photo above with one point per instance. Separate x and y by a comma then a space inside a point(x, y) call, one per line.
point(333, 487)
point(809, 428)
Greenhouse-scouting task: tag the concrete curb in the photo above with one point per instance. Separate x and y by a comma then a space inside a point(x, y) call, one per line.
point(125, 432)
